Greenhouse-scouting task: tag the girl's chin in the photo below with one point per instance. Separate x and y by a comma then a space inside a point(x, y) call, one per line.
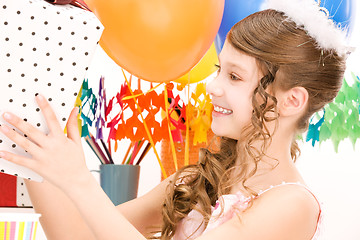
point(221, 132)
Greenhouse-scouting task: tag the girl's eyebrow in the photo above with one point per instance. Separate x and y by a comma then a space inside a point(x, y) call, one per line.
point(231, 63)
point(237, 66)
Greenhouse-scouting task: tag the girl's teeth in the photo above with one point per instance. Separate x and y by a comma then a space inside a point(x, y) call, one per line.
point(222, 110)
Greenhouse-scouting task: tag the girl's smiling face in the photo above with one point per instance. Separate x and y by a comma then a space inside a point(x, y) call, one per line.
point(232, 90)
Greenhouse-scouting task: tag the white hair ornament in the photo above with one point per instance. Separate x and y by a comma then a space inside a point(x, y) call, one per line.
point(308, 14)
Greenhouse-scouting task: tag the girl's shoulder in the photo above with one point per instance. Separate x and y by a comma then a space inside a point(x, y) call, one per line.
point(295, 204)
point(290, 187)
point(285, 211)
point(291, 195)
point(295, 192)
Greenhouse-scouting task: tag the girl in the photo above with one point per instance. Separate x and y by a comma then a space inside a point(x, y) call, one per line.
point(274, 73)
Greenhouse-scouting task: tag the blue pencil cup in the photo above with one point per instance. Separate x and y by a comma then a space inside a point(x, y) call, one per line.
point(120, 182)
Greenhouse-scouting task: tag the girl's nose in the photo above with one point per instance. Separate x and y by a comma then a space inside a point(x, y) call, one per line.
point(214, 88)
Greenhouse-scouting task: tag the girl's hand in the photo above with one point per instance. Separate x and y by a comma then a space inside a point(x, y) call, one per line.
point(56, 157)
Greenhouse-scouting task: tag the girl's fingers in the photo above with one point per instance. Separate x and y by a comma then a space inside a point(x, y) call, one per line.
point(20, 160)
point(50, 117)
point(37, 136)
point(22, 141)
point(73, 127)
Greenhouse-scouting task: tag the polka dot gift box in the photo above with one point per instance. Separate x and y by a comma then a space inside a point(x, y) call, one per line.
point(13, 192)
point(44, 49)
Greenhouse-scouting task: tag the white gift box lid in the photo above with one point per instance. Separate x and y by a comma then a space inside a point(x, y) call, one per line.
point(19, 217)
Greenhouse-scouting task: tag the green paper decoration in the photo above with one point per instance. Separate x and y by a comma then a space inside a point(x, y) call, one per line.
point(340, 118)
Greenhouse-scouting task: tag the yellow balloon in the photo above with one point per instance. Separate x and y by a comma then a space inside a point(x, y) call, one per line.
point(203, 69)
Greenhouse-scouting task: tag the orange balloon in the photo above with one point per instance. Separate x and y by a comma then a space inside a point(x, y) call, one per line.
point(203, 69)
point(157, 40)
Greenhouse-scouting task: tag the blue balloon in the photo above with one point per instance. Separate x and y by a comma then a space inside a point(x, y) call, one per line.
point(341, 12)
point(234, 11)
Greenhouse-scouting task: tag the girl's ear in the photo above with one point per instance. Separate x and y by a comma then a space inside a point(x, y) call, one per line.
point(293, 101)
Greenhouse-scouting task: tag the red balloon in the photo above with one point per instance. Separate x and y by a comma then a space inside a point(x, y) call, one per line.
point(158, 40)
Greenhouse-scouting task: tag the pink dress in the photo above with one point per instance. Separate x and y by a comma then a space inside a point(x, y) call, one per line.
point(191, 226)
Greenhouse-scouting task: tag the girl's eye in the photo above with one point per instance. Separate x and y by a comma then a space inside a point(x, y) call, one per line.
point(234, 77)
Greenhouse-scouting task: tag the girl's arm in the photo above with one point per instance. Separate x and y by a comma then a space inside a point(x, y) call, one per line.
point(60, 160)
point(60, 219)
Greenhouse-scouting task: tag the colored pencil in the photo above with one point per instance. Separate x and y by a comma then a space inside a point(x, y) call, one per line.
point(107, 151)
point(101, 153)
point(127, 152)
point(146, 150)
point(93, 149)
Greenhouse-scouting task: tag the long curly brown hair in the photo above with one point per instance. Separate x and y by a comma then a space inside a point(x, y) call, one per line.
point(288, 58)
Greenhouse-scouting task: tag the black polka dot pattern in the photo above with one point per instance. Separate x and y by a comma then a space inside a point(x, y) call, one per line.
point(44, 49)
point(22, 195)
